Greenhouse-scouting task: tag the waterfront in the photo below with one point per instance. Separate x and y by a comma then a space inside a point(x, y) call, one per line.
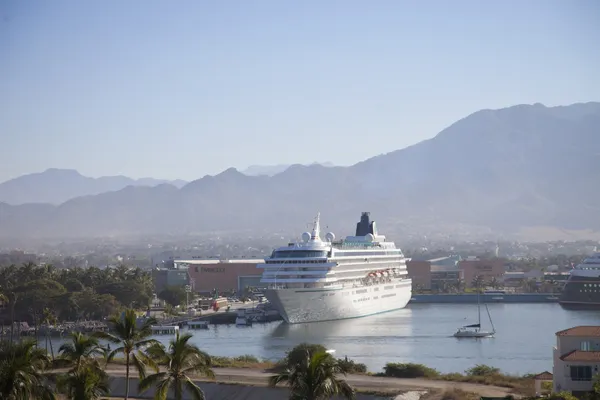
point(420, 333)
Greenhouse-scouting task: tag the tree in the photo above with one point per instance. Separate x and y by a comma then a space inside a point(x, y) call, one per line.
point(179, 361)
point(21, 371)
point(131, 338)
point(81, 349)
point(477, 282)
point(173, 295)
point(85, 383)
point(49, 319)
point(495, 283)
point(314, 378)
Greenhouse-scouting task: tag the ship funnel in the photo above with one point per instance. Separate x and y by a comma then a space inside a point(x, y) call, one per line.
point(365, 226)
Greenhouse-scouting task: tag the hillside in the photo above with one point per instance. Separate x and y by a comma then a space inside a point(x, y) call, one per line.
point(270, 170)
point(523, 166)
point(55, 186)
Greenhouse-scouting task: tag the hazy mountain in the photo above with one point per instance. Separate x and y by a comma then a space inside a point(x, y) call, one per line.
point(523, 166)
point(55, 186)
point(270, 170)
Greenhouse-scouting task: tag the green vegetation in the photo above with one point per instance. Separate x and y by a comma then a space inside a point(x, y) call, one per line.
point(131, 338)
point(308, 370)
point(173, 295)
point(72, 294)
point(179, 361)
point(480, 374)
point(22, 367)
point(313, 376)
point(409, 370)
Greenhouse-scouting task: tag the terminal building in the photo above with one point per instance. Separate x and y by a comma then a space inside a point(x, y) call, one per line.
point(206, 275)
point(449, 271)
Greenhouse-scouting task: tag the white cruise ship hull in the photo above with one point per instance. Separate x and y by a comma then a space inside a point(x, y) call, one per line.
point(314, 305)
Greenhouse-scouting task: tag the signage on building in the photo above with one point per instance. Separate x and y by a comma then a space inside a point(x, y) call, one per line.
point(206, 269)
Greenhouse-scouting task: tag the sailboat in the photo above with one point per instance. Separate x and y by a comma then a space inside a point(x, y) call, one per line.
point(474, 330)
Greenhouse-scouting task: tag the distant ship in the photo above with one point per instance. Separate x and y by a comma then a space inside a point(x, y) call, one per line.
point(582, 290)
point(315, 280)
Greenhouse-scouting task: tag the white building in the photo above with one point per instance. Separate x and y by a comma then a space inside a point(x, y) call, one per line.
point(576, 359)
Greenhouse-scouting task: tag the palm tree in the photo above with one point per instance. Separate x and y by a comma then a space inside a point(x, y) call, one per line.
point(180, 360)
point(314, 378)
point(85, 383)
point(131, 338)
point(21, 371)
point(81, 348)
point(49, 319)
point(477, 282)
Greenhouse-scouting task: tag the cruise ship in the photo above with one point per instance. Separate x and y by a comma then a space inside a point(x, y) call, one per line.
point(582, 290)
point(322, 280)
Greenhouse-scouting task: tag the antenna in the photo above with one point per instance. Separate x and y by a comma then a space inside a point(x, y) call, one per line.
point(316, 229)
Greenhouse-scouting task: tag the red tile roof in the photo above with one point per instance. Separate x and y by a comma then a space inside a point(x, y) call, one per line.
point(544, 376)
point(580, 331)
point(583, 356)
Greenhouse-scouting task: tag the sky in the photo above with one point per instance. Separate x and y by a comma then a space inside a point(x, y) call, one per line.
point(178, 90)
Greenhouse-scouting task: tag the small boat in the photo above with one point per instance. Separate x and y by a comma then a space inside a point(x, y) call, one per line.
point(164, 329)
point(242, 318)
point(474, 330)
point(197, 324)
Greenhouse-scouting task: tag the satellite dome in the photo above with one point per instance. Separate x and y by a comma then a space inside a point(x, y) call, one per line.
point(306, 236)
point(330, 237)
point(369, 237)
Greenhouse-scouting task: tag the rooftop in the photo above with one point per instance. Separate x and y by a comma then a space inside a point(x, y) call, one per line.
point(582, 356)
point(544, 376)
point(583, 330)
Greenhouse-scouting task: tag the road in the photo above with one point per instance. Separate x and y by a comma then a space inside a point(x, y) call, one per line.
point(362, 382)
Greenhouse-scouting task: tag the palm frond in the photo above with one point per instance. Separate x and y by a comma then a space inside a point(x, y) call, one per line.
point(194, 390)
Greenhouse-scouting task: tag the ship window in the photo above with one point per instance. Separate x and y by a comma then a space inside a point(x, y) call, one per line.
point(586, 346)
point(298, 253)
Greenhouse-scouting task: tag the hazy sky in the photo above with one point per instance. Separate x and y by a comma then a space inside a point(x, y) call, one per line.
point(180, 89)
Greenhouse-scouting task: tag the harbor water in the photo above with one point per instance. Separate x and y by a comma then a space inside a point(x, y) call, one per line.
point(420, 333)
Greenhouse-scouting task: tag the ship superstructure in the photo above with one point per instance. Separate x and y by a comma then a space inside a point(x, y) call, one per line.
point(582, 290)
point(319, 280)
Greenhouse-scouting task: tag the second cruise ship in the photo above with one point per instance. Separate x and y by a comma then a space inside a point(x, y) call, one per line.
point(582, 290)
point(321, 280)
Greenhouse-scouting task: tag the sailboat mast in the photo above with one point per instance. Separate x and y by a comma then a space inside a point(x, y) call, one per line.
point(478, 309)
point(490, 317)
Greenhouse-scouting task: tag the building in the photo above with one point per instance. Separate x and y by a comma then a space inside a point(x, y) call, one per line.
point(473, 267)
point(164, 277)
point(444, 277)
point(543, 383)
point(516, 278)
point(420, 273)
point(209, 274)
point(576, 359)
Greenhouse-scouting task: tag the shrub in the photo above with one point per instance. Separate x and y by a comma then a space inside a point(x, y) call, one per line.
point(298, 353)
point(351, 367)
point(482, 370)
point(246, 361)
point(409, 370)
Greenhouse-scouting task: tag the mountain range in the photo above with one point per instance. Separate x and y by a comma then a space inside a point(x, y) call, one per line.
point(506, 169)
point(270, 170)
point(55, 186)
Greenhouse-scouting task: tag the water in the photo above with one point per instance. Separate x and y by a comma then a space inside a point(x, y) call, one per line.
point(421, 333)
